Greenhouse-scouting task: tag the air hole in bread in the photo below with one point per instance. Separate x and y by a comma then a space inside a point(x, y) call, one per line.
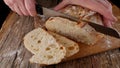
point(77, 48)
point(39, 41)
point(61, 48)
point(31, 45)
point(47, 49)
point(50, 57)
point(36, 49)
point(31, 36)
point(52, 45)
point(57, 40)
point(64, 43)
point(79, 14)
point(35, 38)
point(71, 48)
point(44, 56)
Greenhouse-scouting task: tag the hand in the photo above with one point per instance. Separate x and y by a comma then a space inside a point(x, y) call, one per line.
point(22, 7)
point(101, 6)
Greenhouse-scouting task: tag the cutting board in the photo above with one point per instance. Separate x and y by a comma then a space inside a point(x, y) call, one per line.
point(104, 44)
point(13, 54)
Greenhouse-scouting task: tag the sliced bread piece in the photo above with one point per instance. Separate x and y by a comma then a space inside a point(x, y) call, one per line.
point(71, 46)
point(47, 50)
point(73, 30)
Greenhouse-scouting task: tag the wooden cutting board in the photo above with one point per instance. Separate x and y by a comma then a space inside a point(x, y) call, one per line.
point(104, 44)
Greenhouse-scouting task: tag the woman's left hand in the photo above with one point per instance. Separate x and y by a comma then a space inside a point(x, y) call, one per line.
point(101, 6)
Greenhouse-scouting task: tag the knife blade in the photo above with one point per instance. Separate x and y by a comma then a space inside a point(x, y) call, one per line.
point(102, 29)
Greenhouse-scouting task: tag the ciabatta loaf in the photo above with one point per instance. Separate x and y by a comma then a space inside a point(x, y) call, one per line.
point(44, 46)
point(71, 46)
point(73, 30)
point(82, 13)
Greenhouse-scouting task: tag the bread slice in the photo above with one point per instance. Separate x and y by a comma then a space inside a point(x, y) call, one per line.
point(44, 46)
point(82, 13)
point(73, 30)
point(71, 46)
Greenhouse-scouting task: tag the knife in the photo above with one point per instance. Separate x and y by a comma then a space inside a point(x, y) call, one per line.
point(52, 13)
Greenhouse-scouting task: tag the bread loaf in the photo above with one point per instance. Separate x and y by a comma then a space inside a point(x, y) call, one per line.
point(73, 30)
point(45, 47)
point(82, 13)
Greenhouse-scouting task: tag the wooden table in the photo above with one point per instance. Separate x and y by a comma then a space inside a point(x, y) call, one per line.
point(13, 54)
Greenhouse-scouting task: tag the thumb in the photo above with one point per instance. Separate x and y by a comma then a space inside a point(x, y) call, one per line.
point(61, 5)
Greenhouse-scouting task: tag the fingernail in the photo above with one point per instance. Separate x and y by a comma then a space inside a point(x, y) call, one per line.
point(112, 23)
point(55, 8)
point(34, 14)
point(115, 19)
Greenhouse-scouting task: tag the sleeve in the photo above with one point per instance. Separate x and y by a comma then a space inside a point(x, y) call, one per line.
point(116, 2)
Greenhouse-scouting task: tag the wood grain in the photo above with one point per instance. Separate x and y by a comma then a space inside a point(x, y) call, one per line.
point(14, 55)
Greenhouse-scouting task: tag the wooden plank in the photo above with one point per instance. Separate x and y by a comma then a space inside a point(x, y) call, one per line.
point(4, 31)
point(14, 35)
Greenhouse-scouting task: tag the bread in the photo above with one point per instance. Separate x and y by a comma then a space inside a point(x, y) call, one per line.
point(82, 13)
point(73, 30)
point(44, 47)
point(71, 46)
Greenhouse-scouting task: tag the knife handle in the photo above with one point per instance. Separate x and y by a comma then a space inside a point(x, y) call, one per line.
point(39, 9)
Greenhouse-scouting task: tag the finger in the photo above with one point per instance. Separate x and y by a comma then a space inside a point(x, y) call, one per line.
point(12, 8)
point(30, 6)
point(61, 5)
point(105, 4)
point(102, 10)
point(98, 7)
point(9, 4)
point(107, 23)
point(108, 2)
point(23, 8)
point(16, 8)
point(109, 8)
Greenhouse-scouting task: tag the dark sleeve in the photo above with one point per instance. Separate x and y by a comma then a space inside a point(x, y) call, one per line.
point(4, 10)
point(116, 2)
